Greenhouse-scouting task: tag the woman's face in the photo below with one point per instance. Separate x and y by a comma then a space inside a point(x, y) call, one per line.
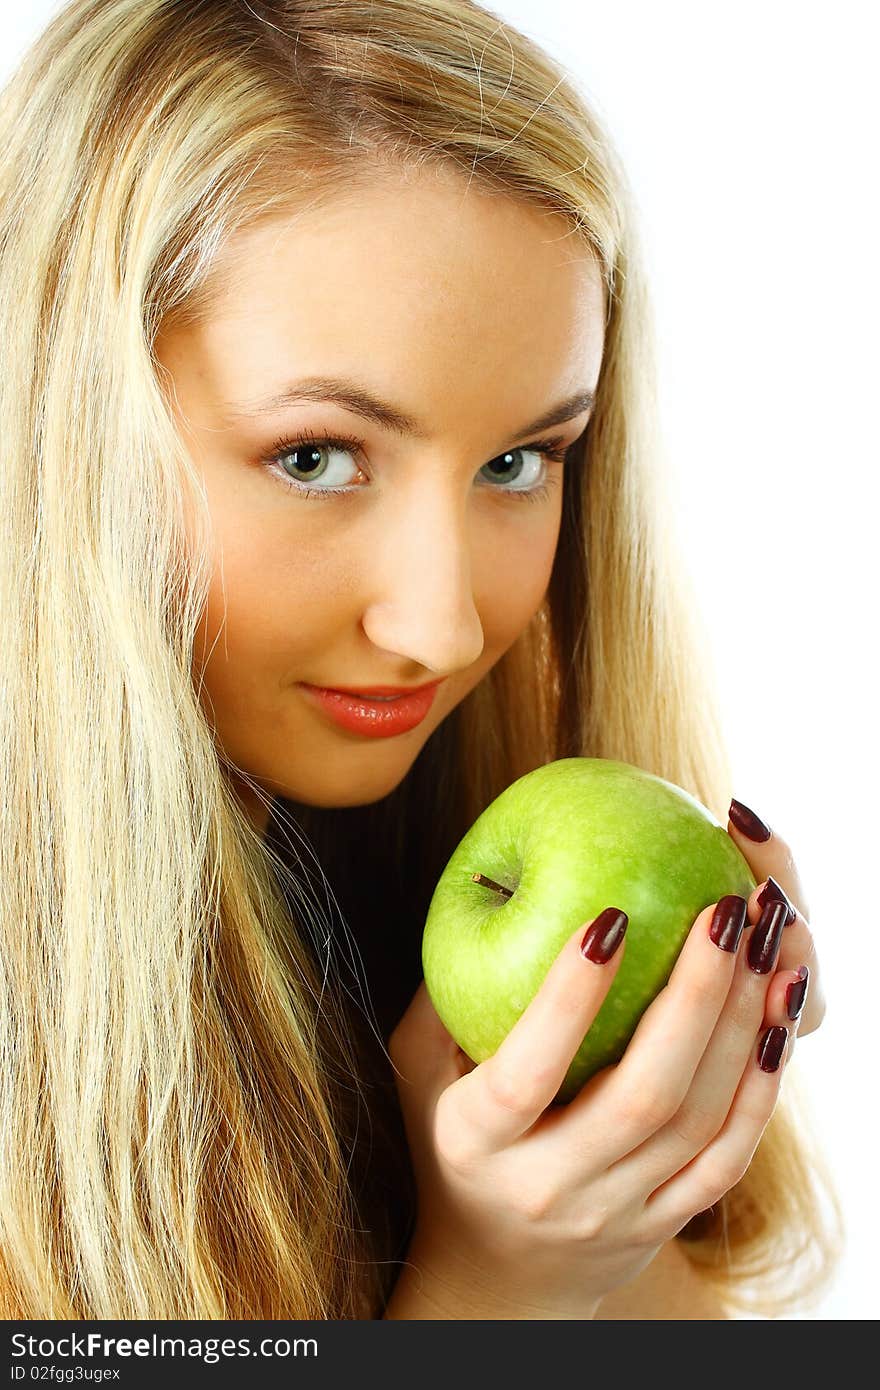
point(471, 314)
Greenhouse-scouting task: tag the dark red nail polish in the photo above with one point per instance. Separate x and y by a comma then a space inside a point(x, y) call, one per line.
point(765, 939)
point(747, 822)
point(774, 892)
point(771, 1048)
point(602, 937)
point(797, 993)
point(728, 921)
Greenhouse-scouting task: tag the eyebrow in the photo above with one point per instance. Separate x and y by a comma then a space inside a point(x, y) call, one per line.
point(355, 397)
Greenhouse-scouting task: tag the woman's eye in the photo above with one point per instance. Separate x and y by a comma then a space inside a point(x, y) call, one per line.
point(509, 468)
point(316, 461)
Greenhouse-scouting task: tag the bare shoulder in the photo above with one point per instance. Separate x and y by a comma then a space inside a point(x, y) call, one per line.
point(668, 1289)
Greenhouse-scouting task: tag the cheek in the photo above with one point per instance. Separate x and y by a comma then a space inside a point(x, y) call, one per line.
point(269, 600)
point(514, 571)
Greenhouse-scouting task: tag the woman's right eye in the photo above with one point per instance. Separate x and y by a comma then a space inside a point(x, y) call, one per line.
point(316, 458)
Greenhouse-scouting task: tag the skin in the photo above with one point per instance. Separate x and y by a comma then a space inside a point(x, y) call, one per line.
point(432, 568)
point(474, 313)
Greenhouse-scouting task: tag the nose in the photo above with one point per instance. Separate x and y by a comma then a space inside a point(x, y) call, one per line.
point(421, 582)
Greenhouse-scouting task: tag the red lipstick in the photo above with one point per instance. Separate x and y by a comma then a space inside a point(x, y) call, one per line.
point(366, 712)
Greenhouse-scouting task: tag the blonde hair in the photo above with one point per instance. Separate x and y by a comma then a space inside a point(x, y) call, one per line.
point(183, 1065)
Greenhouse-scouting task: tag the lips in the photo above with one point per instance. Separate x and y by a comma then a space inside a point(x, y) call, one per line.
point(378, 691)
point(371, 716)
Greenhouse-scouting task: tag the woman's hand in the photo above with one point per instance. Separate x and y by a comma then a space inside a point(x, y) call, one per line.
point(771, 862)
point(537, 1211)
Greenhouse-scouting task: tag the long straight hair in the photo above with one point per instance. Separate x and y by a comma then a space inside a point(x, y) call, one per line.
point(197, 1112)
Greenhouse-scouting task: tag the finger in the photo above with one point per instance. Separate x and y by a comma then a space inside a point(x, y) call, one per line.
point(704, 1108)
point(649, 1083)
point(798, 947)
point(785, 1006)
point(766, 852)
point(721, 1165)
point(787, 996)
point(506, 1094)
point(425, 1057)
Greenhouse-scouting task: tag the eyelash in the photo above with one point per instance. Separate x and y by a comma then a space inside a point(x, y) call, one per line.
point(553, 449)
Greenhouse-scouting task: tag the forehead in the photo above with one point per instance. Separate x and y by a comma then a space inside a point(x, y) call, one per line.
point(418, 274)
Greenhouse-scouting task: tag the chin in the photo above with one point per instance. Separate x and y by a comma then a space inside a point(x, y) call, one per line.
point(350, 793)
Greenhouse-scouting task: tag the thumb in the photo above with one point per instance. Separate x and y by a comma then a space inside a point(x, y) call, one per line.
point(425, 1057)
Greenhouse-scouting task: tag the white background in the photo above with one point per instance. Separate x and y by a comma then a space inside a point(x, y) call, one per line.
point(750, 139)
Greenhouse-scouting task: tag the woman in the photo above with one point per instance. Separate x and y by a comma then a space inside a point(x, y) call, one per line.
point(213, 890)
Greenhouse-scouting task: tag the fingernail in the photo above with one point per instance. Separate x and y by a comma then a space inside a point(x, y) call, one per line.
point(765, 939)
point(774, 892)
point(748, 823)
point(771, 1048)
point(604, 935)
point(728, 921)
point(797, 993)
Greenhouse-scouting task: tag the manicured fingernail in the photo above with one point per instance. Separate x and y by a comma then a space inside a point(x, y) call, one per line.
point(771, 1048)
point(797, 993)
point(774, 892)
point(728, 921)
point(747, 822)
point(604, 935)
point(765, 939)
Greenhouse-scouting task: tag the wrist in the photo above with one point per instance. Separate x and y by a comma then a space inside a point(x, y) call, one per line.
point(437, 1281)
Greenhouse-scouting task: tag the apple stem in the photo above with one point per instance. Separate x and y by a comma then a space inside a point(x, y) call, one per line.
point(490, 883)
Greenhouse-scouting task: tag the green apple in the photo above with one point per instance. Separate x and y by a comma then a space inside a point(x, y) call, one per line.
point(567, 840)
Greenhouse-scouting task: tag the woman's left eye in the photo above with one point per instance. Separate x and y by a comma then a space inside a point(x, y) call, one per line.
point(307, 451)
